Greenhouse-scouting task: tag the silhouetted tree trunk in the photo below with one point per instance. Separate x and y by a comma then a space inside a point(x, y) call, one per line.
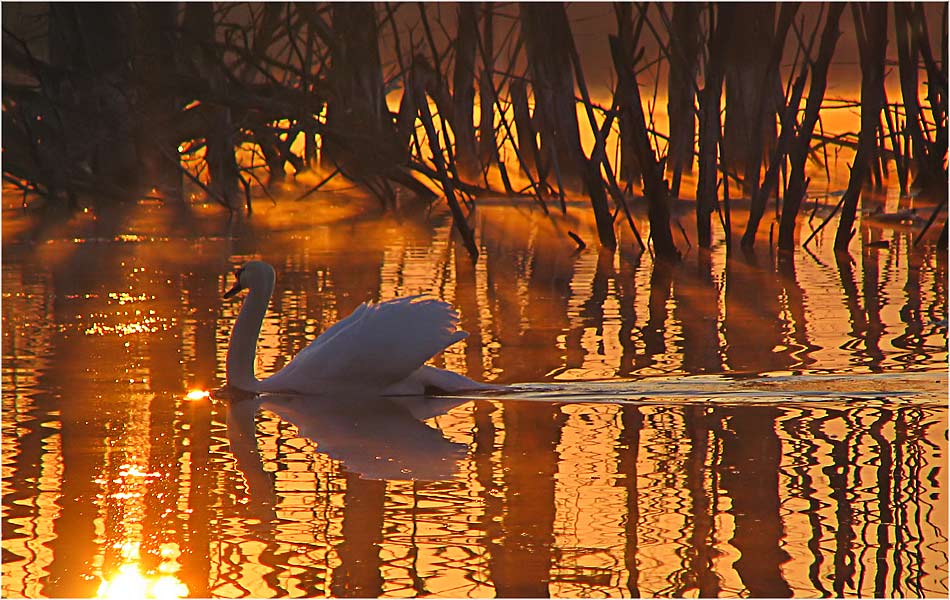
point(928, 155)
point(681, 90)
point(442, 170)
point(198, 36)
point(114, 99)
point(270, 16)
point(795, 192)
point(358, 101)
point(591, 168)
point(769, 102)
point(360, 137)
point(770, 180)
point(219, 155)
point(156, 38)
point(870, 24)
point(628, 37)
point(527, 136)
point(747, 87)
point(486, 96)
point(654, 186)
point(720, 19)
point(463, 90)
point(94, 43)
point(547, 36)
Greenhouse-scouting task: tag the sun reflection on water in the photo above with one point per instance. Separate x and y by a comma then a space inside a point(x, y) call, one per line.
point(196, 395)
point(130, 582)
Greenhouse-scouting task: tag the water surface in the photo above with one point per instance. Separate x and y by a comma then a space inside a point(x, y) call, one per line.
point(761, 426)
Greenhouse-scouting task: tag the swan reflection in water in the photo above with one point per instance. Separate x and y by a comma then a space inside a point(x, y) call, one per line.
point(375, 437)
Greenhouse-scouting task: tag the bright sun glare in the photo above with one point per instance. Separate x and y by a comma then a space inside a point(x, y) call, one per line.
point(130, 582)
point(195, 395)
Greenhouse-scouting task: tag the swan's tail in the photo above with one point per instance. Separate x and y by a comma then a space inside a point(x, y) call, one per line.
point(433, 381)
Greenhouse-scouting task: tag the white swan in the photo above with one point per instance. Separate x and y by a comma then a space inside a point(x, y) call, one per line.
point(379, 349)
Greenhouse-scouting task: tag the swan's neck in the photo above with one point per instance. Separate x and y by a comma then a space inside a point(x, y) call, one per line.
point(243, 345)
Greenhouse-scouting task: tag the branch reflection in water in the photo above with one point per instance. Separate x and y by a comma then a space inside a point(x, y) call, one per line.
point(373, 437)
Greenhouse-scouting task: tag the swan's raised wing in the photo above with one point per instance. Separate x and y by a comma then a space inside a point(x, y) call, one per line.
point(377, 345)
point(334, 329)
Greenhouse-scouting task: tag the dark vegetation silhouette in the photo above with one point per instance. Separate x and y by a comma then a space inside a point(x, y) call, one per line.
point(107, 102)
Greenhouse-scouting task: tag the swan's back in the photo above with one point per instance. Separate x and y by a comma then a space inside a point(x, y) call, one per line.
point(376, 346)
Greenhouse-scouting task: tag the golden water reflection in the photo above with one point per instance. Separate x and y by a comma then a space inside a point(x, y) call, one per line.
point(120, 473)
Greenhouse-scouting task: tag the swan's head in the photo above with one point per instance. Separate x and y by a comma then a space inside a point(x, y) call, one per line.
point(252, 274)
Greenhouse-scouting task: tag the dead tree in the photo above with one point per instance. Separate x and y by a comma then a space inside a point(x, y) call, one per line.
point(527, 136)
point(359, 137)
point(95, 44)
point(547, 34)
point(358, 101)
point(270, 25)
point(628, 36)
point(591, 167)
point(127, 104)
point(870, 24)
point(158, 103)
point(720, 27)
point(549, 43)
point(104, 88)
point(654, 186)
point(463, 90)
point(787, 118)
point(486, 95)
point(913, 42)
point(801, 143)
point(789, 124)
point(442, 169)
point(749, 131)
point(681, 88)
point(198, 36)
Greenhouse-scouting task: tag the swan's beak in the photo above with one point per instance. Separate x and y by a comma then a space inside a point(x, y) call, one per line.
point(237, 286)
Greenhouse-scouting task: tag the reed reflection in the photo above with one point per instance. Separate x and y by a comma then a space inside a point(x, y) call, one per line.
point(527, 288)
point(765, 321)
point(697, 309)
point(521, 560)
point(653, 331)
point(750, 460)
point(628, 454)
point(699, 525)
